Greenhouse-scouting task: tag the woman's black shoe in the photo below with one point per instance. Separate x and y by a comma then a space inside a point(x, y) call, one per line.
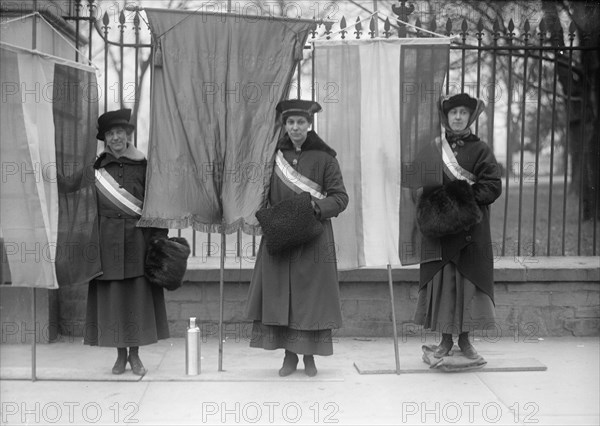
point(121, 362)
point(310, 369)
point(119, 367)
point(467, 349)
point(136, 364)
point(290, 361)
point(444, 348)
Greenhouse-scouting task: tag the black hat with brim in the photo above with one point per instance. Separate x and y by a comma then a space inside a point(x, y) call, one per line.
point(298, 107)
point(462, 99)
point(110, 119)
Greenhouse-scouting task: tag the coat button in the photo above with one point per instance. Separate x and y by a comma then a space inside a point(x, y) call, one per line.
point(120, 165)
point(468, 238)
point(119, 214)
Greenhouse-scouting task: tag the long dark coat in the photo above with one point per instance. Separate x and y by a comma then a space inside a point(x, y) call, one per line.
point(471, 250)
point(122, 243)
point(300, 288)
point(123, 308)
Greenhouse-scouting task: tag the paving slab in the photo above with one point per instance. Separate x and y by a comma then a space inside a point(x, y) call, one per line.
point(249, 390)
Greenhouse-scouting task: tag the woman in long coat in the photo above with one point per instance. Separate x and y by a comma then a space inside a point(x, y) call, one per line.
point(294, 295)
point(456, 292)
point(123, 309)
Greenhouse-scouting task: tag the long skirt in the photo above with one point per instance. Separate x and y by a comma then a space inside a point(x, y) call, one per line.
point(306, 342)
point(452, 304)
point(125, 313)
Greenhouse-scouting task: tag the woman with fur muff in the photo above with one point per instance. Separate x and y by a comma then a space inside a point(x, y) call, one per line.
point(456, 293)
point(124, 310)
point(293, 299)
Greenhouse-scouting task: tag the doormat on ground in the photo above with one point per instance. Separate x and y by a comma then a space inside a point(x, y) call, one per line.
point(456, 362)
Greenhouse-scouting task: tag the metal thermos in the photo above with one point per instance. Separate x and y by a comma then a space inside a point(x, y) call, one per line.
point(192, 349)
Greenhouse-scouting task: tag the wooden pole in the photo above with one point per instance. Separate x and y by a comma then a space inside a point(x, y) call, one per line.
point(33, 341)
point(33, 294)
point(391, 284)
point(221, 300)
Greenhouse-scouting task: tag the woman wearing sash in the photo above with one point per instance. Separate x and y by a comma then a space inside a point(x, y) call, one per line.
point(123, 309)
point(294, 295)
point(456, 293)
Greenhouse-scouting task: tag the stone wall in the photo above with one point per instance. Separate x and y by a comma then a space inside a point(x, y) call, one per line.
point(543, 297)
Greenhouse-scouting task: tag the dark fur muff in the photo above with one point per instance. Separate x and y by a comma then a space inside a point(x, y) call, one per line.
point(166, 262)
point(448, 210)
point(289, 223)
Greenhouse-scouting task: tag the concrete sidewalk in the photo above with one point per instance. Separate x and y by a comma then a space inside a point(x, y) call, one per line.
point(75, 385)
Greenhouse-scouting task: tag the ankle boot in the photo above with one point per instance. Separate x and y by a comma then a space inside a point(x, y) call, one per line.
point(121, 362)
point(444, 347)
point(310, 369)
point(136, 363)
point(290, 361)
point(466, 347)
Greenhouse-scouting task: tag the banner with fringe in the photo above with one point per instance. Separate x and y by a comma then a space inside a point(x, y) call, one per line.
point(217, 79)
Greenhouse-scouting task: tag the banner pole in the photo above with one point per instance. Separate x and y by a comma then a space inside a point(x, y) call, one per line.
point(221, 299)
point(33, 341)
point(33, 301)
point(389, 268)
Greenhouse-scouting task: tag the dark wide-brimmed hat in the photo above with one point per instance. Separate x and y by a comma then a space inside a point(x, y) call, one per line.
point(462, 99)
point(298, 107)
point(111, 119)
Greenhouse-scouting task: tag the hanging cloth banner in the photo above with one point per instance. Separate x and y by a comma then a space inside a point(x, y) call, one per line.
point(379, 99)
point(294, 180)
point(49, 236)
point(213, 128)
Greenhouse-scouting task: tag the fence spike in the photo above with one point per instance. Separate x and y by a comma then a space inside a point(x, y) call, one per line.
point(433, 25)
point(105, 19)
point(343, 26)
point(511, 28)
point(328, 26)
point(136, 20)
point(479, 32)
point(372, 27)
point(572, 29)
point(463, 30)
point(358, 27)
point(386, 28)
point(496, 27)
point(542, 28)
point(448, 27)
point(557, 30)
point(314, 30)
point(526, 29)
point(464, 26)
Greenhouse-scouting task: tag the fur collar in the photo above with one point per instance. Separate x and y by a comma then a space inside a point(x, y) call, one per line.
point(312, 142)
point(131, 153)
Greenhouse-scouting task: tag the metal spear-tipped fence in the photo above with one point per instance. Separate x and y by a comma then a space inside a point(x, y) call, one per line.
point(539, 82)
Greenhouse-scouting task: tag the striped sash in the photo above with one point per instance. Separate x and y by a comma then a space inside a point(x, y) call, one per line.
point(122, 199)
point(294, 180)
point(451, 167)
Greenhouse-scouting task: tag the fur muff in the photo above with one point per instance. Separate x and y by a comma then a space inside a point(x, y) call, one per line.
point(166, 262)
point(289, 223)
point(448, 210)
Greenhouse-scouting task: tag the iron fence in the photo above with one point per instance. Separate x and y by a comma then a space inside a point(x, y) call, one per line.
point(537, 82)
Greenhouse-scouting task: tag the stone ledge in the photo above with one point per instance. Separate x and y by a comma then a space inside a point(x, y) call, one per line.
point(506, 269)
